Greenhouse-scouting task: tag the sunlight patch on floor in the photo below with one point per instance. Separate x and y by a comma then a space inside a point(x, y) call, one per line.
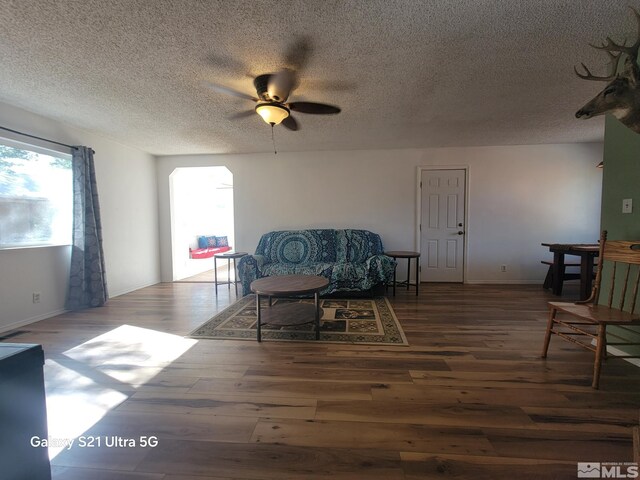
point(74, 403)
point(121, 352)
point(101, 373)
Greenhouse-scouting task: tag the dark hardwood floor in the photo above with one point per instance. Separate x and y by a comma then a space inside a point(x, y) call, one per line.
point(469, 398)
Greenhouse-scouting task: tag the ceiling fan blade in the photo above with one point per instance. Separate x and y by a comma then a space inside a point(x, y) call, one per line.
point(329, 85)
point(237, 116)
point(281, 84)
point(311, 107)
point(298, 53)
point(291, 123)
point(229, 91)
point(229, 64)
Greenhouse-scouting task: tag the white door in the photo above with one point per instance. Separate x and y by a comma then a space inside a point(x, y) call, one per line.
point(442, 229)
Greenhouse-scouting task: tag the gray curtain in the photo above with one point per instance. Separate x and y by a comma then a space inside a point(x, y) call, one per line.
point(87, 281)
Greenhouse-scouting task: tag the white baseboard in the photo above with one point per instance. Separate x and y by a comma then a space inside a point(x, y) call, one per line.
point(536, 281)
point(132, 289)
point(28, 321)
point(37, 318)
point(43, 316)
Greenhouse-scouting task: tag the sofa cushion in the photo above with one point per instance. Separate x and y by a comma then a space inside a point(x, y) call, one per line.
point(207, 252)
point(207, 241)
point(275, 269)
point(342, 276)
point(222, 241)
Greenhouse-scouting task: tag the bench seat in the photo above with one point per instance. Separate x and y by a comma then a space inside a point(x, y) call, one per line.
point(596, 313)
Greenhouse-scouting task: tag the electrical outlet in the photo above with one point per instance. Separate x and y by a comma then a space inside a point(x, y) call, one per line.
point(36, 297)
point(503, 268)
point(627, 205)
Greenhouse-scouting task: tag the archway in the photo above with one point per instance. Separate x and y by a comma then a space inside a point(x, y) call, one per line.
point(201, 200)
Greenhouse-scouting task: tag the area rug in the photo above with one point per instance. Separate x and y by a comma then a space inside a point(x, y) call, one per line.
point(359, 321)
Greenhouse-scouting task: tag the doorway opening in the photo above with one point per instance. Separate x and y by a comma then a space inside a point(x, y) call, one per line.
point(201, 200)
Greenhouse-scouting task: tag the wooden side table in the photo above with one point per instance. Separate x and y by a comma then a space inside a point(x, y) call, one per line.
point(228, 256)
point(408, 255)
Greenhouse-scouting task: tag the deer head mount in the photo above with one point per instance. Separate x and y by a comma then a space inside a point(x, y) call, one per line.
point(621, 96)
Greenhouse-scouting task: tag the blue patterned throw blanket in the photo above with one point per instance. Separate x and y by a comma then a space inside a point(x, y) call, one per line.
point(352, 260)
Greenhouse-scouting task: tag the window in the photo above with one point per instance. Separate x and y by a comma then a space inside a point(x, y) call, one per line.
point(36, 199)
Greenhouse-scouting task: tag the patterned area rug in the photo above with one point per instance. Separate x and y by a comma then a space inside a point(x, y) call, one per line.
point(358, 321)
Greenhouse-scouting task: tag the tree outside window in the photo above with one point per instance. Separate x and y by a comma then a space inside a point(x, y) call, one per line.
point(35, 198)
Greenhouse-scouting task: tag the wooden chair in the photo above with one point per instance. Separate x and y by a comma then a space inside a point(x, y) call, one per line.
point(590, 318)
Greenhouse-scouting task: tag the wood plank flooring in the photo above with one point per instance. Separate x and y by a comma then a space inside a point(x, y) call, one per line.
point(469, 398)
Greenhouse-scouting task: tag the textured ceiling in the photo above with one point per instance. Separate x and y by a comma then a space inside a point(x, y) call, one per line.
point(406, 73)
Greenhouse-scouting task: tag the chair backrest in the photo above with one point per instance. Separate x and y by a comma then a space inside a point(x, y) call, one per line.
point(622, 260)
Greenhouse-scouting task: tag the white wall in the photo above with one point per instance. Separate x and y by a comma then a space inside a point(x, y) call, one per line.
point(29, 270)
point(128, 198)
point(522, 196)
point(519, 196)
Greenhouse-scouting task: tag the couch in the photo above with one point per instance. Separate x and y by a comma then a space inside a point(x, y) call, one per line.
point(352, 260)
point(208, 246)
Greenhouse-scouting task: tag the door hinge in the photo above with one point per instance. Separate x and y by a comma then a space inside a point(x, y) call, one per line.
point(420, 227)
point(420, 183)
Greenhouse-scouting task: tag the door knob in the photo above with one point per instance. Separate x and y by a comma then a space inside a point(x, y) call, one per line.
point(460, 232)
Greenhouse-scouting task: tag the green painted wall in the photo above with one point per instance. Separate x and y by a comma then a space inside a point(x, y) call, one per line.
point(621, 179)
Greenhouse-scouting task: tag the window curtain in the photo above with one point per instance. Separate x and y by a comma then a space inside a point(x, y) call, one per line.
point(87, 281)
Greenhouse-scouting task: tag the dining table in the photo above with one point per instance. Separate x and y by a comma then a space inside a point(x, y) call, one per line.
point(587, 252)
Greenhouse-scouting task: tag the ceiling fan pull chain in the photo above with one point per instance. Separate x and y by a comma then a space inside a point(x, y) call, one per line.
point(273, 139)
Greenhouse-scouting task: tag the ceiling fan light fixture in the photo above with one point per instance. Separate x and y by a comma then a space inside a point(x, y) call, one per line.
point(272, 113)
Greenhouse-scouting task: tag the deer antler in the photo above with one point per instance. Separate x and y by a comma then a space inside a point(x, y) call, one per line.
point(615, 58)
point(610, 47)
point(631, 50)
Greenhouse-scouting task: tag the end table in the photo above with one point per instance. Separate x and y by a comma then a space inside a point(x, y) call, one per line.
point(228, 256)
point(408, 255)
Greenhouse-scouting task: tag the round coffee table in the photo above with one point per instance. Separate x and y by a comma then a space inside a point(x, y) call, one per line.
point(290, 313)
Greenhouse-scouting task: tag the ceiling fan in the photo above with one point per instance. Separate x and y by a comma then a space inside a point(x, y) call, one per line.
point(273, 91)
